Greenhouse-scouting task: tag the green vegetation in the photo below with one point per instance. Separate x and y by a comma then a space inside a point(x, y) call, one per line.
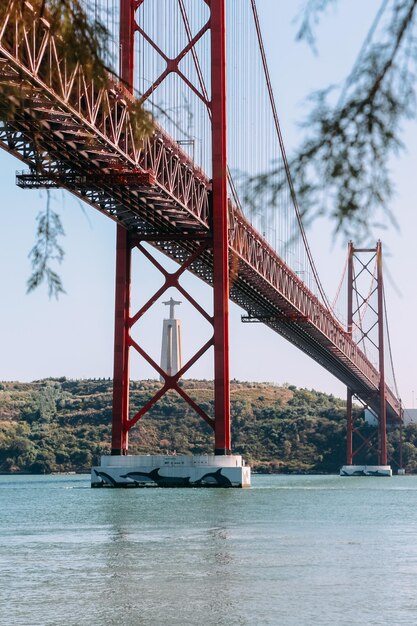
point(63, 425)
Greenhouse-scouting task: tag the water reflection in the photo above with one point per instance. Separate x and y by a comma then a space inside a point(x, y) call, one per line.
point(170, 557)
point(284, 552)
point(218, 538)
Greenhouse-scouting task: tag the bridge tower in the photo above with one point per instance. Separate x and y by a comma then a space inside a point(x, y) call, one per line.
point(216, 243)
point(367, 262)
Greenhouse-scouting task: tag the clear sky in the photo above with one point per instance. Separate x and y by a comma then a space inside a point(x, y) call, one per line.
point(73, 337)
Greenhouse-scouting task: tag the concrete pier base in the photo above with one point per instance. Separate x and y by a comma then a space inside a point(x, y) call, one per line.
point(366, 470)
point(171, 471)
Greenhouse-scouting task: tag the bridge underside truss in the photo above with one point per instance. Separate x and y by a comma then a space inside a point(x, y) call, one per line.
point(76, 136)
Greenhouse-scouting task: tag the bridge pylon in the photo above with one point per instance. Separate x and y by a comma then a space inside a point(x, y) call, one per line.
point(366, 447)
point(222, 468)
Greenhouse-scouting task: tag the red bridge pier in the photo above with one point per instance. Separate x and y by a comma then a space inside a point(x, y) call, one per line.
point(221, 469)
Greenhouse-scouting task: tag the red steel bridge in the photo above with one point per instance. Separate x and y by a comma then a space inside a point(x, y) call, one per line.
point(77, 134)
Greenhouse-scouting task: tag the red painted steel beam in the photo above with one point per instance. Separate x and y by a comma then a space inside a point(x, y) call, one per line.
point(220, 228)
point(349, 428)
point(127, 35)
point(350, 290)
point(121, 345)
point(366, 441)
point(382, 390)
point(171, 381)
point(401, 437)
point(120, 414)
point(349, 420)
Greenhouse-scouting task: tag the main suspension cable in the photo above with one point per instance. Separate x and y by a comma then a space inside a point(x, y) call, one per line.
point(389, 344)
point(284, 157)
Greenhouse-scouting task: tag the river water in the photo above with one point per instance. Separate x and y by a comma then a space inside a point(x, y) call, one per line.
point(291, 551)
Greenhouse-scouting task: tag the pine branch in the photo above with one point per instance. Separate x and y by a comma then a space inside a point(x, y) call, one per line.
point(309, 17)
point(342, 167)
point(46, 250)
point(83, 43)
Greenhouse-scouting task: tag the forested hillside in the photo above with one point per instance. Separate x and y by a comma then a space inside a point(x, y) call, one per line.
point(65, 425)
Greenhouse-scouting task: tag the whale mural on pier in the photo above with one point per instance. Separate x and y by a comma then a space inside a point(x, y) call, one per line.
point(106, 478)
point(215, 479)
point(145, 471)
point(161, 481)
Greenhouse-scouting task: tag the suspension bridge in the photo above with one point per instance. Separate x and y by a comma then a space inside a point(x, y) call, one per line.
point(182, 190)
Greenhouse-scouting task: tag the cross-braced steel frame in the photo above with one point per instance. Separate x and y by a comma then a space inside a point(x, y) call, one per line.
point(362, 261)
point(217, 240)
